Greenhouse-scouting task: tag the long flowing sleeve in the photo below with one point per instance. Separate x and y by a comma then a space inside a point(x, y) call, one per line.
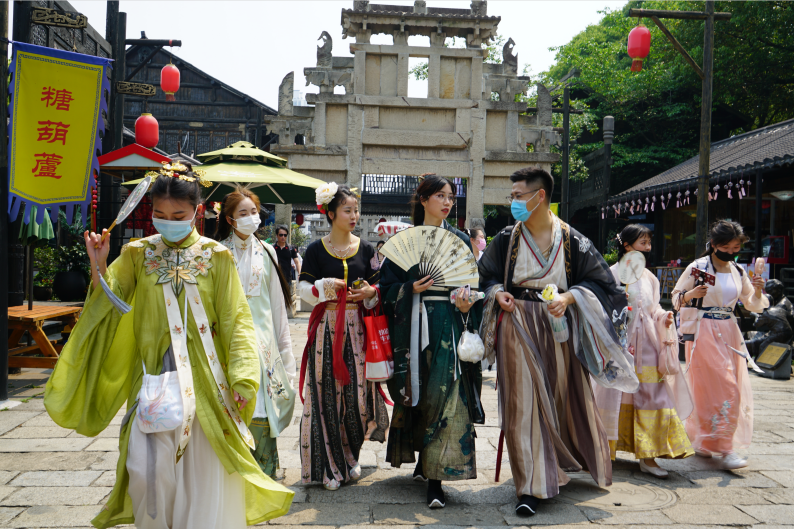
point(236, 330)
point(748, 298)
point(281, 324)
point(85, 391)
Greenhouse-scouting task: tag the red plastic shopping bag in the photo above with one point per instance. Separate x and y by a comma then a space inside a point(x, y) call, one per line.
point(380, 363)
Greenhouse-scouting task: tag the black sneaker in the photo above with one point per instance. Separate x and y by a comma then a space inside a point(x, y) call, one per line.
point(527, 505)
point(435, 495)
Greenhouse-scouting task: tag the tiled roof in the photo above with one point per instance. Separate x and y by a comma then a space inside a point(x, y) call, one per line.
point(766, 147)
point(438, 12)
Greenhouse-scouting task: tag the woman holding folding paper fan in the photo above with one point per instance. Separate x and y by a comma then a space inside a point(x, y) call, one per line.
point(435, 409)
point(187, 465)
point(717, 357)
point(336, 278)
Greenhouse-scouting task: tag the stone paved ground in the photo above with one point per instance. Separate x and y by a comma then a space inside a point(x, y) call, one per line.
point(52, 477)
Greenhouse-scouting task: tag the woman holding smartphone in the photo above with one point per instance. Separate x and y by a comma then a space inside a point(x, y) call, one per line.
point(722, 420)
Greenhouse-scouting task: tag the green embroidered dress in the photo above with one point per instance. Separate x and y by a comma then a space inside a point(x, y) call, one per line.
point(441, 425)
point(100, 366)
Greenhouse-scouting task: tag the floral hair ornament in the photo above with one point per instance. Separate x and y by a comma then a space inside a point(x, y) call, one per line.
point(324, 195)
point(179, 170)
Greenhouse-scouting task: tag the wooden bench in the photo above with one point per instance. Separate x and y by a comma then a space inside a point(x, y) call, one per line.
point(20, 319)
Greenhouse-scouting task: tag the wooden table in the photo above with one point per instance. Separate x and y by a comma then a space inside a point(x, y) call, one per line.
point(20, 319)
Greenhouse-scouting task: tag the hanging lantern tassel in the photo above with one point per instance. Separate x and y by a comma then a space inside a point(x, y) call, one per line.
point(686, 197)
point(741, 188)
point(678, 200)
point(602, 213)
point(716, 191)
point(749, 183)
point(116, 301)
point(730, 185)
point(653, 202)
point(647, 203)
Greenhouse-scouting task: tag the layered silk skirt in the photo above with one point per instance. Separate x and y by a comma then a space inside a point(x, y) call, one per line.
point(723, 417)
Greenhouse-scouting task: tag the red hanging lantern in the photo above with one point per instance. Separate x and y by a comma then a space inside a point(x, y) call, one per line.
point(299, 219)
point(147, 131)
point(639, 46)
point(169, 81)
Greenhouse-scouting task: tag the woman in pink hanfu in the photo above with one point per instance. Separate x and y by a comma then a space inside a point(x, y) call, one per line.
point(648, 423)
point(717, 367)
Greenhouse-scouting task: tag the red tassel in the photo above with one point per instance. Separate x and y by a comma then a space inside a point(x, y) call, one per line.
point(340, 369)
point(169, 96)
point(636, 65)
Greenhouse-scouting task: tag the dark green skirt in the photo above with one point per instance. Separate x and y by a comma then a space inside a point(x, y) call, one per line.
point(266, 452)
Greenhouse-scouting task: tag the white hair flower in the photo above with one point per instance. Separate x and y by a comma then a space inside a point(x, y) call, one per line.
point(325, 194)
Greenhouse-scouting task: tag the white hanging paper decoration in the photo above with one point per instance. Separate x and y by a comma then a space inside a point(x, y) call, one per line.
point(741, 188)
point(716, 191)
point(686, 197)
point(678, 199)
point(730, 185)
point(653, 202)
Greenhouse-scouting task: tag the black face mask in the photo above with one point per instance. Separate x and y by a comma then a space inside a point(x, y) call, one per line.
point(725, 256)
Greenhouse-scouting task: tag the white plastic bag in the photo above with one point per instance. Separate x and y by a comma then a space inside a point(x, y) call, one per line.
point(559, 326)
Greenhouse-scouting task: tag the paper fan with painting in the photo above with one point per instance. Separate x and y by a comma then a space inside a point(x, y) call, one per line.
point(439, 253)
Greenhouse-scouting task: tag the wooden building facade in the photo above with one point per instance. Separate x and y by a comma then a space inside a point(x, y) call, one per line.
point(207, 115)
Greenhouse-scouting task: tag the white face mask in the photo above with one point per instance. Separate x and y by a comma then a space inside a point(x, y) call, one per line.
point(248, 225)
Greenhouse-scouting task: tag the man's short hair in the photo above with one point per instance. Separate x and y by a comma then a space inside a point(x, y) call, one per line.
point(281, 227)
point(533, 175)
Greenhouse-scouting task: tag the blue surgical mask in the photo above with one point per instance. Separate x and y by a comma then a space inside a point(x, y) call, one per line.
point(174, 230)
point(518, 208)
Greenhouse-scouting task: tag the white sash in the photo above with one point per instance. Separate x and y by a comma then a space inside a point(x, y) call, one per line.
point(178, 333)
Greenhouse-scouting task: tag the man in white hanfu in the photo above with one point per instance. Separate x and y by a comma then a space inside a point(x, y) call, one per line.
point(546, 350)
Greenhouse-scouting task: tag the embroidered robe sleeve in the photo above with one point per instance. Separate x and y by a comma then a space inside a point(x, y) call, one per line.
point(236, 331)
point(92, 378)
point(312, 287)
point(602, 312)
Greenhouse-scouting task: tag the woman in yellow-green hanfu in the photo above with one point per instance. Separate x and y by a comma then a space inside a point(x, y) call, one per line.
point(202, 473)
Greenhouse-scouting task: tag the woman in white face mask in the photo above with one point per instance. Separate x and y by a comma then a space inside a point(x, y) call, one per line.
point(266, 291)
point(185, 360)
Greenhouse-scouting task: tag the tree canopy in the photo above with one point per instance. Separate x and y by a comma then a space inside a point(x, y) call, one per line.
point(657, 110)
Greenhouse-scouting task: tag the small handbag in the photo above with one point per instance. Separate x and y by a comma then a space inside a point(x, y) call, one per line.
point(160, 399)
point(470, 346)
point(159, 403)
point(379, 359)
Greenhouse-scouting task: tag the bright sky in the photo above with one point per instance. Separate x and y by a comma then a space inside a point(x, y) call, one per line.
point(253, 45)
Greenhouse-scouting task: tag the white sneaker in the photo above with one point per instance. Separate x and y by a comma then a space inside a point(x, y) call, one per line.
point(733, 461)
point(355, 473)
point(659, 472)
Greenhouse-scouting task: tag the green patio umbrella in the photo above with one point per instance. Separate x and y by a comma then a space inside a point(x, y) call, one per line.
point(261, 172)
point(34, 234)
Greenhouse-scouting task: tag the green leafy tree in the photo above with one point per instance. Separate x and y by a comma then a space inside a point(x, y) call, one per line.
point(657, 110)
point(71, 254)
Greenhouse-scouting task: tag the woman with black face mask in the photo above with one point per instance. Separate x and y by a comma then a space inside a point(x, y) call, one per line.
point(647, 423)
point(717, 372)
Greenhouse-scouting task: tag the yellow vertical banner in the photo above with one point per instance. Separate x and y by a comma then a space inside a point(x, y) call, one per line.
point(57, 99)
